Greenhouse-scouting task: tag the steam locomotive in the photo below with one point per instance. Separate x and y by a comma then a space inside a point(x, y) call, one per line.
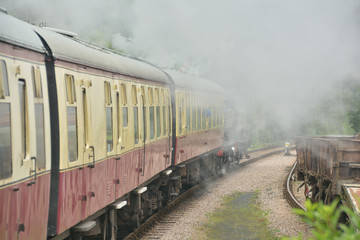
point(91, 140)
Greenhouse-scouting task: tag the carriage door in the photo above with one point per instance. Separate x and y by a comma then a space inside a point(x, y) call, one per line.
point(166, 120)
point(182, 126)
point(85, 149)
point(124, 139)
point(136, 160)
point(143, 131)
point(124, 181)
point(89, 150)
point(181, 115)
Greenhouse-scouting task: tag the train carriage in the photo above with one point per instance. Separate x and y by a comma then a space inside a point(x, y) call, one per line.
point(24, 133)
point(111, 138)
point(91, 140)
point(199, 116)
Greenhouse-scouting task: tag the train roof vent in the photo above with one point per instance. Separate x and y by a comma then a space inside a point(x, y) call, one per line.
point(3, 10)
point(63, 32)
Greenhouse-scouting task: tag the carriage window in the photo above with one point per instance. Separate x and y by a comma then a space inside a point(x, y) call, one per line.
point(5, 141)
point(162, 96)
point(70, 89)
point(39, 120)
point(36, 77)
point(143, 95)
point(71, 118)
point(164, 120)
point(168, 121)
point(23, 117)
point(214, 114)
point(157, 98)
point(134, 95)
point(107, 93)
point(109, 119)
point(188, 118)
point(125, 116)
point(180, 116)
point(218, 116)
point(158, 123)
point(144, 123)
point(124, 103)
point(85, 117)
point(221, 117)
point(193, 118)
point(151, 96)
point(198, 118)
point(151, 113)
point(4, 85)
point(136, 114)
point(40, 135)
point(212, 117)
point(152, 122)
point(203, 117)
point(72, 134)
point(123, 94)
point(163, 103)
point(136, 126)
point(143, 101)
point(109, 126)
point(118, 116)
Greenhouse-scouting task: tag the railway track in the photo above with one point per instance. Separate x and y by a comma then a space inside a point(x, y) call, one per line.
point(288, 190)
point(161, 217)
point(159, 223)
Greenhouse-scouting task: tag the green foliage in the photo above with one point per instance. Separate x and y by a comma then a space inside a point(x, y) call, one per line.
point(351, 95)
point(338, 112)
point(239, 217)
point(325, 221)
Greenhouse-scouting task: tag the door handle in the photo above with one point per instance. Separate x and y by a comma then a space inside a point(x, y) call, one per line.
point(33, 171)
point(93, 156)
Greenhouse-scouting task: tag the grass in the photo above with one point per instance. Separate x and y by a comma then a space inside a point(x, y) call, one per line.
point(239, 217)
point(265, 145)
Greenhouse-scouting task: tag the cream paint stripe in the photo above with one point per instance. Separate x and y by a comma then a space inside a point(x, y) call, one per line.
point(112, 156)
point(24, 179)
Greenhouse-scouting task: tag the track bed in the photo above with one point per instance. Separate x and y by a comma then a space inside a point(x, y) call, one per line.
point(265, 175)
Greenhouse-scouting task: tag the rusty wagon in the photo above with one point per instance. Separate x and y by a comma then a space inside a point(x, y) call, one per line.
point(330, 168)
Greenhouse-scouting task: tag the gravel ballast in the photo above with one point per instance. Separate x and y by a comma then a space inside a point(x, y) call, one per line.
point(266, 176)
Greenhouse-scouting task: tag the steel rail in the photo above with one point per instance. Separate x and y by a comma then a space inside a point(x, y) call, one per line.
point(288, 190)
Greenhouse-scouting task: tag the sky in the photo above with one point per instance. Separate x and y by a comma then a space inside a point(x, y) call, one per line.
point(283, 54)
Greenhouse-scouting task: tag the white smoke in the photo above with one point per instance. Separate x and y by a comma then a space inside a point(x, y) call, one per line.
point(283, 54)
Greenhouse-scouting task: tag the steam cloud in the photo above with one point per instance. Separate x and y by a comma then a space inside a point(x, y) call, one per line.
point(282, 54)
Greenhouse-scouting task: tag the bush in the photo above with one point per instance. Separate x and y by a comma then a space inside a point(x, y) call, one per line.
point(325, 221)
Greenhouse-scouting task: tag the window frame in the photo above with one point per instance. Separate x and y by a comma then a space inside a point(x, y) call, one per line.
point(109, 123)
point(71, 103)
point(39, 101)
point(4, 80)
point(136, 132)
point(9, 173)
